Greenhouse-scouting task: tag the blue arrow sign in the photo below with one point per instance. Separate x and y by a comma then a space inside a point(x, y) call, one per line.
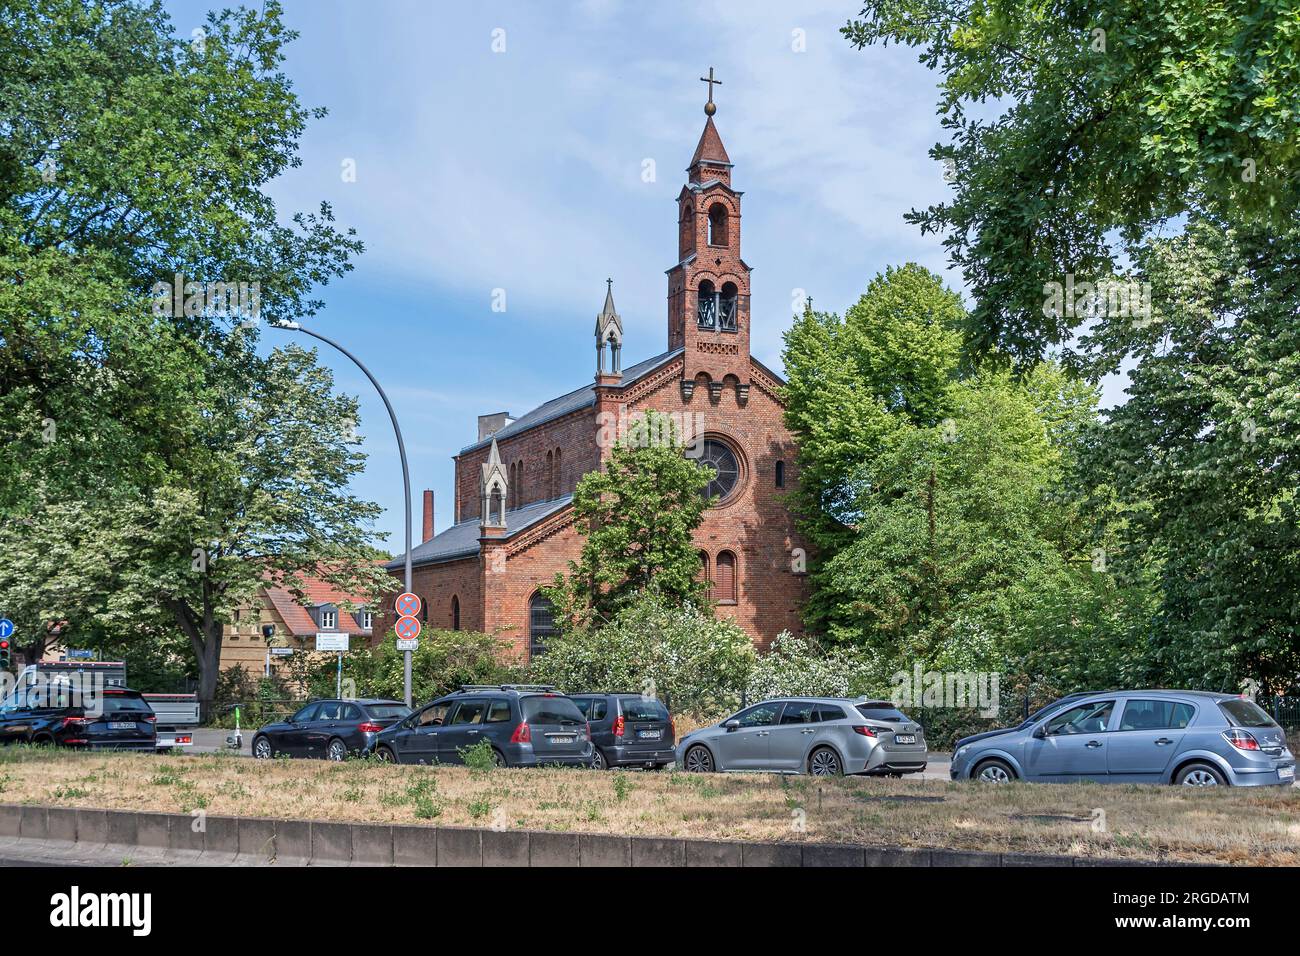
point(6, 627)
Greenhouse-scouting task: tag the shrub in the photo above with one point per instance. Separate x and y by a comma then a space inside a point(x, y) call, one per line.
point(680, 654)
point(800, 667)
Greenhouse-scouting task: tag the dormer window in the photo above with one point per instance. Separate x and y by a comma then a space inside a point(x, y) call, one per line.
point(366, 620)
point(329, 620)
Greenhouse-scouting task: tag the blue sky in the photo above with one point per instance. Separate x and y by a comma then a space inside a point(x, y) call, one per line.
point(522, 171)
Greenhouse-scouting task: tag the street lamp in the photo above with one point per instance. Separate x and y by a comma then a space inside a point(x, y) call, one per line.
point(406, 474)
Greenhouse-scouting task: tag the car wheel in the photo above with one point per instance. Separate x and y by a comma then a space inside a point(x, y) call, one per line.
point(337, 750)
point(385, 755)
point(262, 748)
point(698, 760)
point(993, 771)
point(1200, 775)
point(825, 762)
point(598, 761)
point(498, 758)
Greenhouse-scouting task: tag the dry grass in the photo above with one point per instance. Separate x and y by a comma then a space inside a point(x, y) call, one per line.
point(1238, 826)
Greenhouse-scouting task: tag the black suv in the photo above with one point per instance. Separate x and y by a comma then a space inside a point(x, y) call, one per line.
point(628, 730)
point(112, 719)
point(528, 725)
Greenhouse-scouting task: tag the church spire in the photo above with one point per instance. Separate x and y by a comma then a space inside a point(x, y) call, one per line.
point(494, 487)
point(609, 331)
point(710, 160)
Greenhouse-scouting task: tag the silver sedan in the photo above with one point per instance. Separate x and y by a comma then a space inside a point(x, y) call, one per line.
point(823, 736)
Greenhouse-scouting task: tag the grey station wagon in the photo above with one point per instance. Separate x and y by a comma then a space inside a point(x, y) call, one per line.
point(1192, 738)
point(823, 736)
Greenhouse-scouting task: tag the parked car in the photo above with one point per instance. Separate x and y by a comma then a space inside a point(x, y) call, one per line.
point(333, 729)
point(527, 725)
point(1192, 738)
point(1029, 721)
point(115, 718)
point(628, 730)
point(823, 736)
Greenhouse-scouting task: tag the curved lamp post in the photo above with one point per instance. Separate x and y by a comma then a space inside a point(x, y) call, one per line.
point(406, 474)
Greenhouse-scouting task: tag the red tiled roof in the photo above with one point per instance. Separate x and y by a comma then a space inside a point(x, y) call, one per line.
point(297, 618)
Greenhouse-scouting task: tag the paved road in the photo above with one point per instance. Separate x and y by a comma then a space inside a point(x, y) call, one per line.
point(208, 740)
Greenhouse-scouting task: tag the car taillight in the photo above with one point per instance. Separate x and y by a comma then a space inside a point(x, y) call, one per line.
point(865, 731)
point(618, 726)
point(75, 721)
point(522, 734)
point(183, 740)
point(370, 728)
point(672, 728)
point(1241, 740)
point(152, 718)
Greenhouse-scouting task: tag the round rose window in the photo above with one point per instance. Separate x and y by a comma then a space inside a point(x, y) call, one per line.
point(722, 460)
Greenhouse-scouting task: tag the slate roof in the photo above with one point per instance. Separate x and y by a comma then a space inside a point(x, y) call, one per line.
point(572, 401)
point(461, 540)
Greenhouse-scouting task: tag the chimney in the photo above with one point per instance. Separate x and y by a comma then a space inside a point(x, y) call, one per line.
point(428, 515)
point(489, 425)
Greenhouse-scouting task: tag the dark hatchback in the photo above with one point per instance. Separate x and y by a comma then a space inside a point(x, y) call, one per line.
point(333, 729)
point(526, 726)
point(115, 719)
point(628, 730)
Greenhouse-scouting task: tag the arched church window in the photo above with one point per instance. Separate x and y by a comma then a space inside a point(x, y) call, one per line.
point(541, 624)
point(455, 613)
point(722, 460)
point(727, 307)
point(724, 585)
point(780, 474)
point(706, 316)
point(550, 475)
point(717, 224)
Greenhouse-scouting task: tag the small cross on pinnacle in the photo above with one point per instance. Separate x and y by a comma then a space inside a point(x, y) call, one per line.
point(710, 108)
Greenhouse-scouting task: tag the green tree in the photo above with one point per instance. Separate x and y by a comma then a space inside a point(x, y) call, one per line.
point(1078, 133)
point(131, 155)
point(636, 516)
point(851, 382)
point(1204, 458)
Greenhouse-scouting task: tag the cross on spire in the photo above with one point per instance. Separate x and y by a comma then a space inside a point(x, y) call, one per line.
point(710, 108)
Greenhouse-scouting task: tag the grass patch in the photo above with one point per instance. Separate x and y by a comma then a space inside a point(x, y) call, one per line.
point(1255, 826)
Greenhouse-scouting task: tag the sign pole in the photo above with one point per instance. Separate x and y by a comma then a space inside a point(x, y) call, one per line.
point(338, 678)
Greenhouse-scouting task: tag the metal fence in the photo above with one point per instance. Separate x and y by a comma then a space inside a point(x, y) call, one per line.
point(1285, 710)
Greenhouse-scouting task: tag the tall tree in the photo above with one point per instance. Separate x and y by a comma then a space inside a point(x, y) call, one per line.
point(1077, 132)
point(636, 516)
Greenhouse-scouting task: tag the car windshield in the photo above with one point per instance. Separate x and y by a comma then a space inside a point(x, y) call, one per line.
point(1245, 713)
point(387, 711)
point(879, 712)
point(547, 709)
point(121, 703)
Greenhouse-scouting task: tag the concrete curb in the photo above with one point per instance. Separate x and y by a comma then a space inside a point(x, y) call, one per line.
point(75, 834)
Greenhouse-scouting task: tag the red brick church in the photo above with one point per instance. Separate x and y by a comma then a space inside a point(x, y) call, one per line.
point(514, 528)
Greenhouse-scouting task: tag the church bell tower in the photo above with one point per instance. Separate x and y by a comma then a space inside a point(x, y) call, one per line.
point(708, 289)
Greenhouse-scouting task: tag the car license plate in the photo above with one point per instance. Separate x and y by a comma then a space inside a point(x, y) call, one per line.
point(650, 734)
point(1286, 773)
point(905, 738)
point(121, 725)
point(561, 739)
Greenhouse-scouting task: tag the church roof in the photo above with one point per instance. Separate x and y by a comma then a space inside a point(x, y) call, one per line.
point(461, 540)
point(710, 149)
point(572, 401)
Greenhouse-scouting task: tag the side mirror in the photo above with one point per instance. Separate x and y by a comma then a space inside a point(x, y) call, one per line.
point(1040, 732)
point(731, 725)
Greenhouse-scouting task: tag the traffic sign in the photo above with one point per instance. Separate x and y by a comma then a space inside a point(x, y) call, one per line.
point(331, 642)
point(406, 605)
point(7, 627)
point(407, 628)
point(408, 645)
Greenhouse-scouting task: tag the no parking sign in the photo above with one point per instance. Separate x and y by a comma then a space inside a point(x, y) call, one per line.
point(408, 628)
point(406, 605)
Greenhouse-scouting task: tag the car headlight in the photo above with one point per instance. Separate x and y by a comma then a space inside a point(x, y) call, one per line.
point(960, 751)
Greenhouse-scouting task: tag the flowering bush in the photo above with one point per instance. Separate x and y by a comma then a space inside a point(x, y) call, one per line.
point(691, 661)
point(800, 667)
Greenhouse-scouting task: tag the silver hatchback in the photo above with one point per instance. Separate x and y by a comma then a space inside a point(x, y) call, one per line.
point(824, 736)
point(1186, 737)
